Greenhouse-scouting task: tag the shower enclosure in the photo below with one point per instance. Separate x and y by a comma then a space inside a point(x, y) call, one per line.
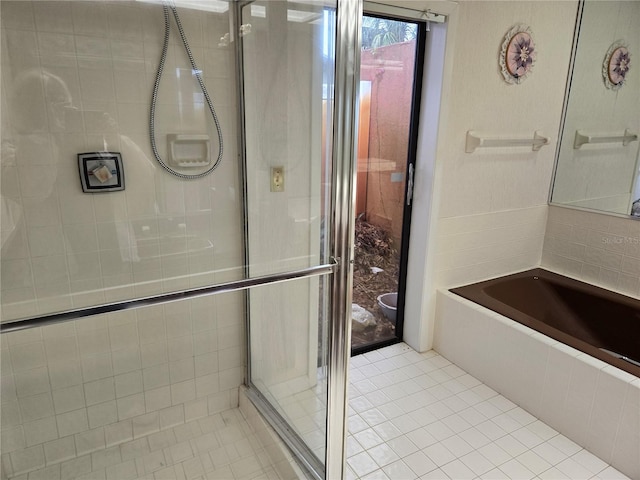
point(141, 306)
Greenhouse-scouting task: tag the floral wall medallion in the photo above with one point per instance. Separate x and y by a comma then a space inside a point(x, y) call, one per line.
point(518, 54)
point(616, 65)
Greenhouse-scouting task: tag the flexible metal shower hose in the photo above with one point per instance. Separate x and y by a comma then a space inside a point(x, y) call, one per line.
point(154, 96)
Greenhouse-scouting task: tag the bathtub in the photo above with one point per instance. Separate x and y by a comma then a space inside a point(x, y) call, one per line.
point(522, 335)
point(604, 324)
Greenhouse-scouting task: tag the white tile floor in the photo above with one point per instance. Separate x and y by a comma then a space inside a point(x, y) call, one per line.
point(412, 416)
point(217, 447)
point(420, 416)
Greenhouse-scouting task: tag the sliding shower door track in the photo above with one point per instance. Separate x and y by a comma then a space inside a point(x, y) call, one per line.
point(302, 454)
point(234, 286)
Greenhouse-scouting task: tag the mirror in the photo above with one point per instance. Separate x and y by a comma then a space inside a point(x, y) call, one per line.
point(597, 164)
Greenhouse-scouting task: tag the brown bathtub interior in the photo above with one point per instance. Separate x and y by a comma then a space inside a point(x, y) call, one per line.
point(580, 315)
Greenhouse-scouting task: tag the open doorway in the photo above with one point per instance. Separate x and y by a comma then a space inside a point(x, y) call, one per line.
point(390, 85)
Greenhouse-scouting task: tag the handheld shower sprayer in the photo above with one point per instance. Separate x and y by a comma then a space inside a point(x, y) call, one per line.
point(167, 8)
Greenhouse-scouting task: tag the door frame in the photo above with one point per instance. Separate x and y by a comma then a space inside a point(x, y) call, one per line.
point(394, 13)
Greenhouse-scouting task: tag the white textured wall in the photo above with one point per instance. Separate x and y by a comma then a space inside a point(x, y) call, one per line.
point(74, 388)
point(491, 205)
point(601, 176)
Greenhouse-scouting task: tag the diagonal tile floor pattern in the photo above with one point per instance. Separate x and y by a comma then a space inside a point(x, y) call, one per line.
point(418, 416)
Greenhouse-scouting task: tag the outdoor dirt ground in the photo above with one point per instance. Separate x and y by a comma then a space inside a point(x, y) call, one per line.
point(373, 248)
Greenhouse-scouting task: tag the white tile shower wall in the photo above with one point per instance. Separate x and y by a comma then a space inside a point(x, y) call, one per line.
point(597, 248)
point(77, 77)
point(594, 404)
point(80, 387)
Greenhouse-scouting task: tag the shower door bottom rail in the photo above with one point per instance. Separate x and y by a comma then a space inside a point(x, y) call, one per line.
point(236, 285)
point(302, 454)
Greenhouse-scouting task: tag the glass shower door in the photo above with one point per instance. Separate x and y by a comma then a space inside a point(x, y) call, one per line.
point(298, 67)
point(288, 63)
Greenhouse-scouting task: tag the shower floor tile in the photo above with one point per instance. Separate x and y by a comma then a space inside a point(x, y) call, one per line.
point(418, 416)
point(218, 447)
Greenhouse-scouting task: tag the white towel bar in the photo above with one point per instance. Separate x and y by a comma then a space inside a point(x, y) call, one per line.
point(474, 140)
point(626, 138)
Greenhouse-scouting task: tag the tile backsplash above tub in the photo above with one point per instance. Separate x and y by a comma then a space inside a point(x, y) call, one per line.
point(600, 249)
point(471, 248)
